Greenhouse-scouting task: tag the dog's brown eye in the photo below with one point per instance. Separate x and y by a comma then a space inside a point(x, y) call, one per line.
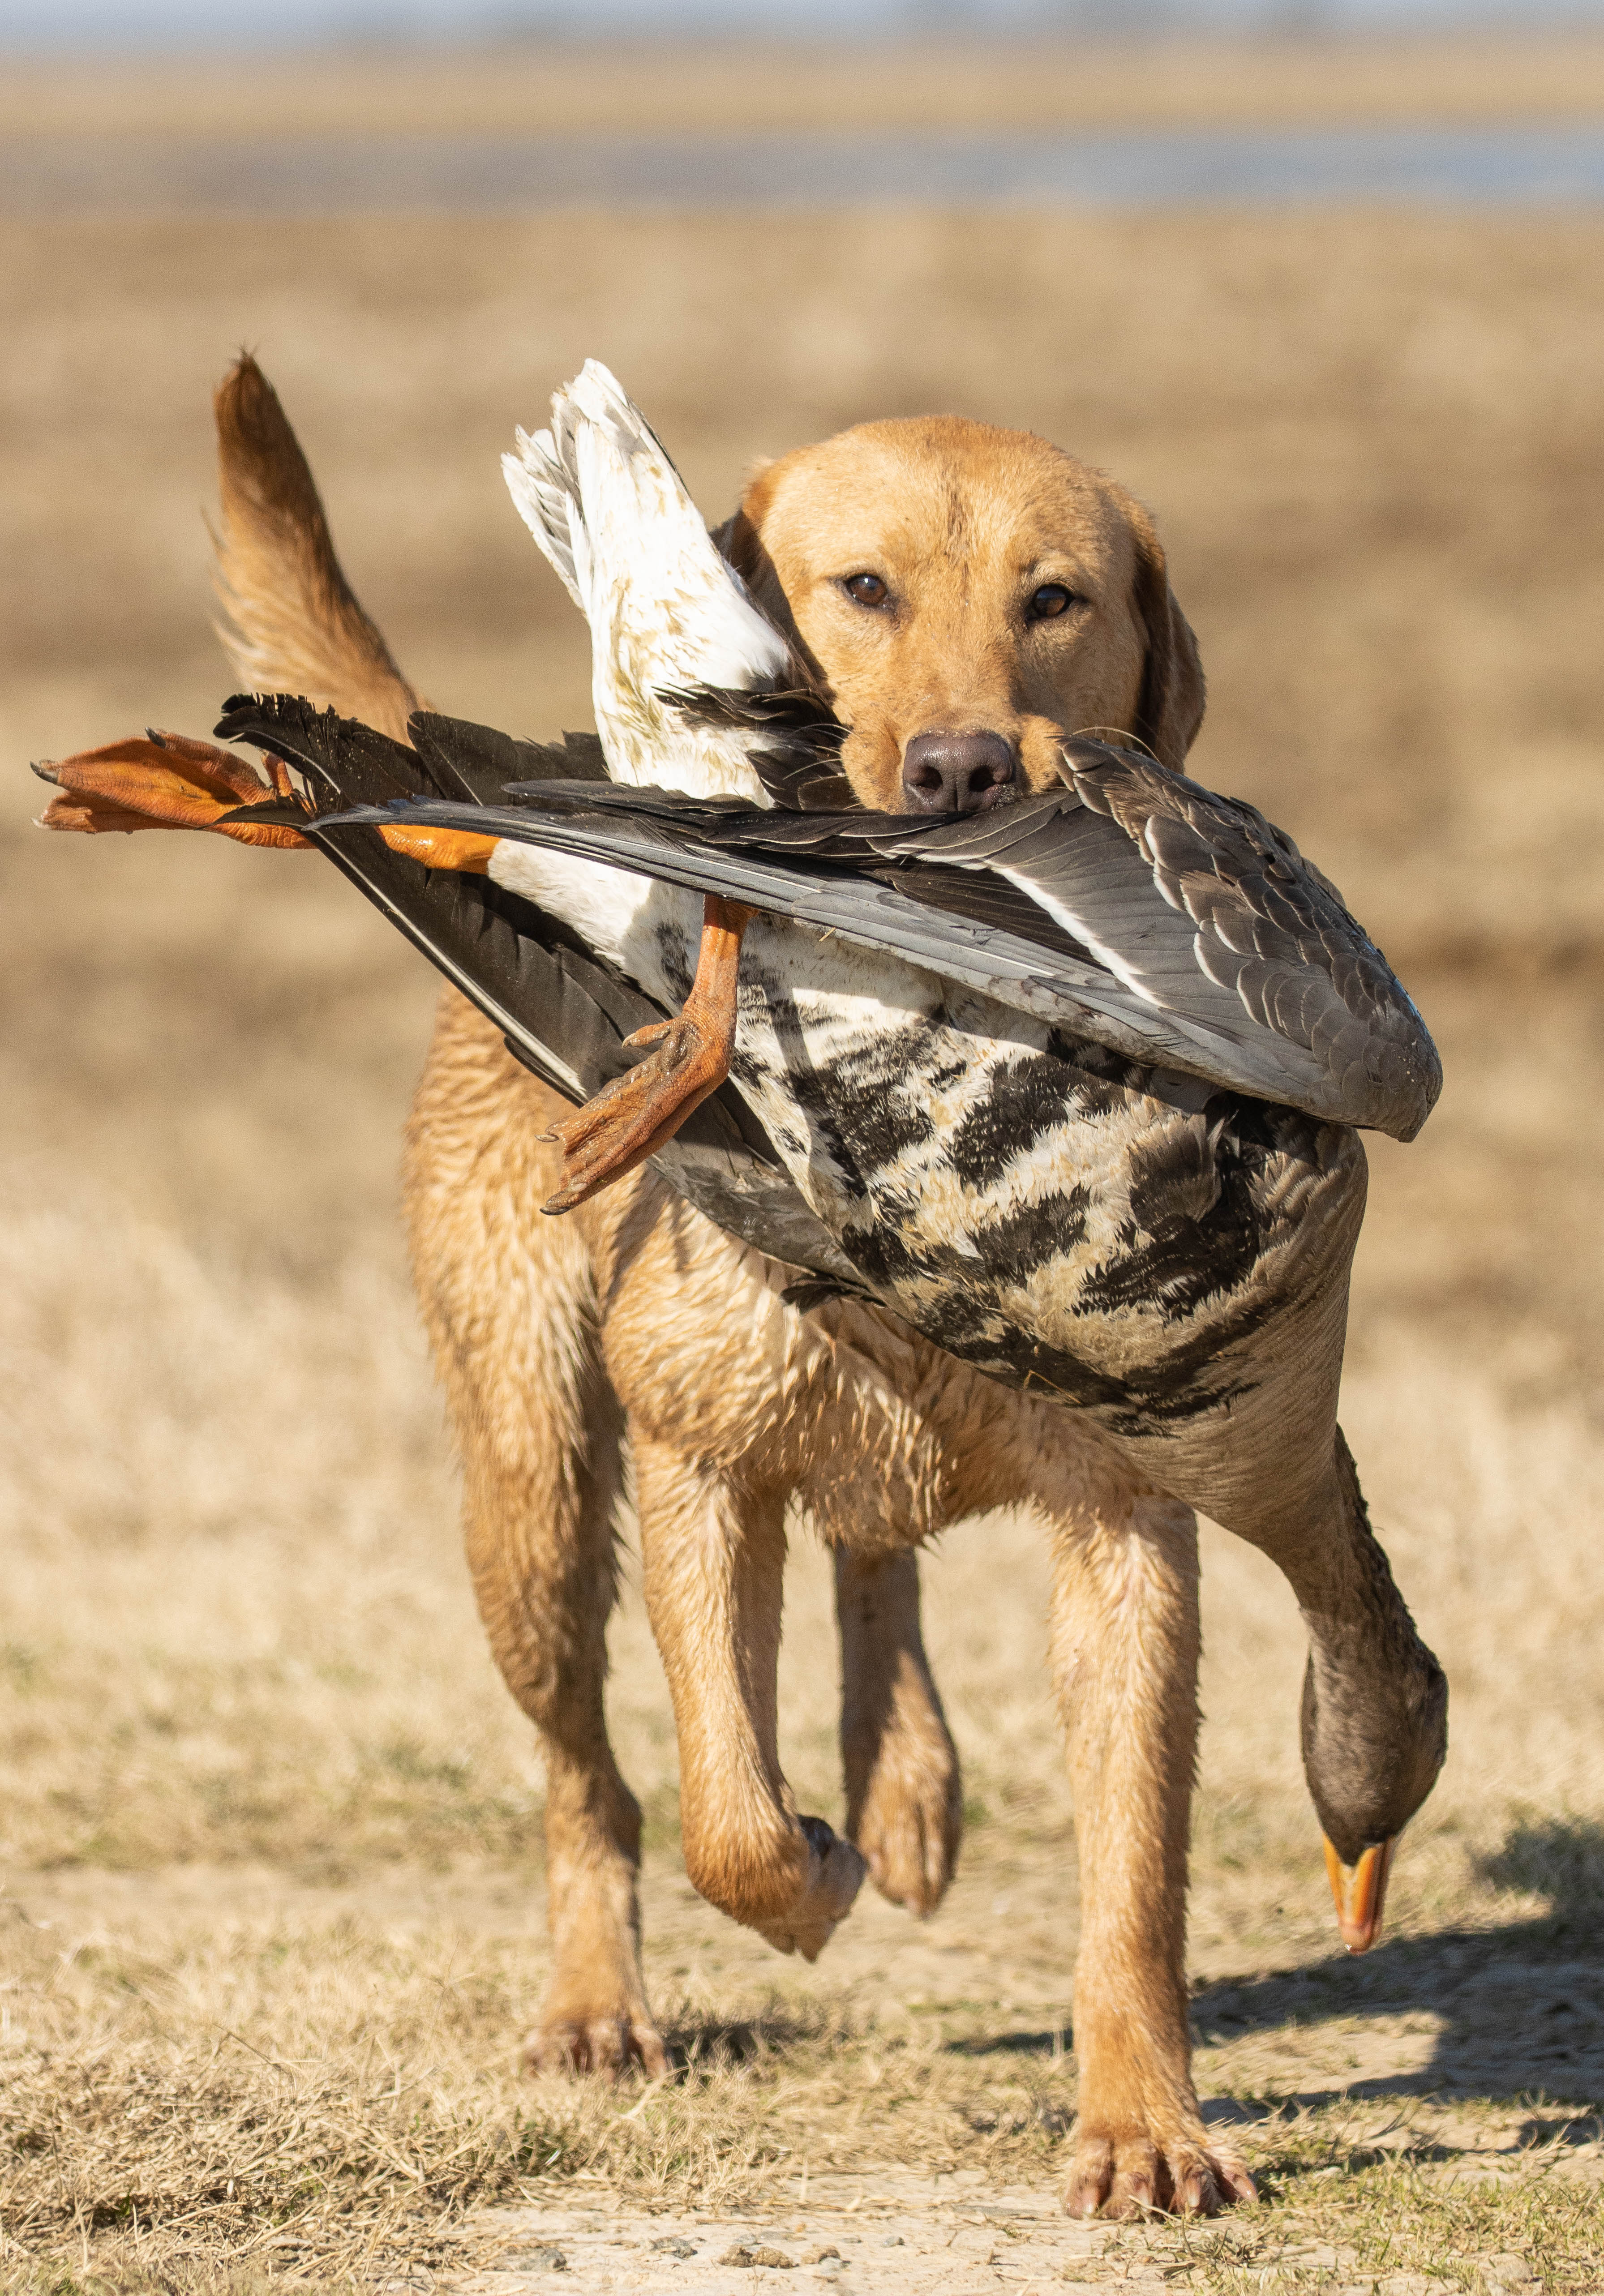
point(1050, 599)
point(866, 589)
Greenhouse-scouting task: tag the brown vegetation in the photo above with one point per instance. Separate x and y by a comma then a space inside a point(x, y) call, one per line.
point(570, 88)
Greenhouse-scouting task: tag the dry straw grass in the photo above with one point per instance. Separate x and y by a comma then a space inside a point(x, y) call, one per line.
point(530, 88)
point(237, 1634)
point(270, 1930)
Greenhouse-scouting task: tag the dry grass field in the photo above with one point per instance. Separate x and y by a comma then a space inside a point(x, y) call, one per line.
point(270, 1926)
point(548, 85)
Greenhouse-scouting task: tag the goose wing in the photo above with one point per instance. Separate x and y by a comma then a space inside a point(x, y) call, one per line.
point(1245, 938)
point(1248, 926)
point(563, 1012)
point(1178, 927)
point(507, 957)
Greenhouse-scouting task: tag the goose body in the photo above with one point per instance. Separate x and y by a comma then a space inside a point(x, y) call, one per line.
point(1168, 1258)
point(1034, 1197)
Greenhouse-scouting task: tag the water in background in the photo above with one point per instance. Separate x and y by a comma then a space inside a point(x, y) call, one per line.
point(1122, 168)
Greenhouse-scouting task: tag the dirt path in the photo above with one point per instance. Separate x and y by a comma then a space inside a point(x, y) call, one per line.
point(894, 2117)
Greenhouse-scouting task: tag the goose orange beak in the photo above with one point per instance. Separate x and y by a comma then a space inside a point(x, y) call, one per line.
point(1360, 1893)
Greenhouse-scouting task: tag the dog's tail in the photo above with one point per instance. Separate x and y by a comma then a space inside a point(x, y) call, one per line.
point(292, 622)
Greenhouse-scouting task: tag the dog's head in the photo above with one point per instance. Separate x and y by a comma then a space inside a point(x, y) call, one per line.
point(967, 597)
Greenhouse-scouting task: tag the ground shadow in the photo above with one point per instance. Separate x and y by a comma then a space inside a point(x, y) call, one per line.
point(1522, 2002)
point(709, 2044)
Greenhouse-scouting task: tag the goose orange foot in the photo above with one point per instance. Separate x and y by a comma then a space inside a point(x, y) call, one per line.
point(621, 1124)
point(169, 780)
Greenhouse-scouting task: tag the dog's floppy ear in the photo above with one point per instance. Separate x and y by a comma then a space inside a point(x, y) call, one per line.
point(740, 541)
point(1170, 706)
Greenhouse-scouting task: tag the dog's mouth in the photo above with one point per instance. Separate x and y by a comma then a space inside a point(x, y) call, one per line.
point(959, 773)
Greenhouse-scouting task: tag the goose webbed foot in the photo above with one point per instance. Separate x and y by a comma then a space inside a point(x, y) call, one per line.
point(167, 781)
point(624, 1123)
point(1359, 1890)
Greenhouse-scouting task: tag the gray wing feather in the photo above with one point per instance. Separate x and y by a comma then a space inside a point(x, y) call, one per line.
point(1184, 997)
point(1212, 946)
point(1272, 931)
point(1245, 930)
point(1085, 999)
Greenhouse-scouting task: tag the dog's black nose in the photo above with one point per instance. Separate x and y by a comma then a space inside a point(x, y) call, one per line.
point(957, 772)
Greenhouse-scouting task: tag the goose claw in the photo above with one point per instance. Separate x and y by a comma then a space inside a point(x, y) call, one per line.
point(620, 1126)
point(624, 1123)
point(1361, 1891)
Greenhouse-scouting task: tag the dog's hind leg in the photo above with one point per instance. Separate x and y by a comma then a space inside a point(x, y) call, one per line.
point(1124, 1649)
point(904, 1790)
point(507, 1297)
point(714, 1558)
point(509, 1302)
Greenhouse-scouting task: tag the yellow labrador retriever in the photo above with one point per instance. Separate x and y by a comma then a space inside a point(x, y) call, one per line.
point(965, 596)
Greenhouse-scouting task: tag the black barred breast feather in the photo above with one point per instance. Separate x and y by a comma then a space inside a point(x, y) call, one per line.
point(1058, 1217)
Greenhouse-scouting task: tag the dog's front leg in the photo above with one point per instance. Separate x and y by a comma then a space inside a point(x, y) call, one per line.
point(714, 1557)
point(1125, 1644)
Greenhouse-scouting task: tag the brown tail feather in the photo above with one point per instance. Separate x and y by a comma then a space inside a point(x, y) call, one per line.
point(294, 625)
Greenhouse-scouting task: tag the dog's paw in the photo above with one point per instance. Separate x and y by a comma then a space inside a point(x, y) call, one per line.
point(1129, 2175)
point(606, 2043)
point(911, 1820)
point(834, 1876)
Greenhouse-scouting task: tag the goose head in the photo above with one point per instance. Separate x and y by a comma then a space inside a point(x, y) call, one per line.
point(1375, 1722)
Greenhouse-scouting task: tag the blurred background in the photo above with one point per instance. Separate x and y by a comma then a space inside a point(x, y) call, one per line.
point(1324, 284)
